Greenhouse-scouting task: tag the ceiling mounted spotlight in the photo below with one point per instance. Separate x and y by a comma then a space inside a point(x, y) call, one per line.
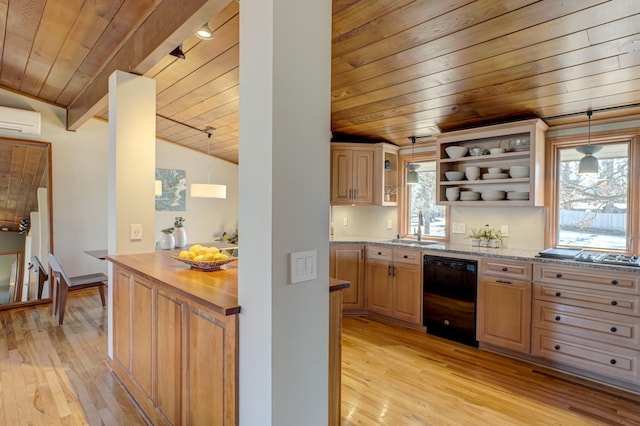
point(177, 52)
point(204, 32)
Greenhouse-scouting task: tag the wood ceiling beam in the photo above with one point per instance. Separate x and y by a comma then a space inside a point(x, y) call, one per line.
point(166, 27)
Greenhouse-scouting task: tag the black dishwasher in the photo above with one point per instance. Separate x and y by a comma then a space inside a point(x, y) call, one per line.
point(449, 298)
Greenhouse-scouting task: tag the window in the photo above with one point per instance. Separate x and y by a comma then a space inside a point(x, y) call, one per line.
point(422, 196)
point(593, 211)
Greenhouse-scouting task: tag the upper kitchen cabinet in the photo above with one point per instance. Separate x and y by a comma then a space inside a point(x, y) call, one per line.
point(500, 165)
point(364, 174)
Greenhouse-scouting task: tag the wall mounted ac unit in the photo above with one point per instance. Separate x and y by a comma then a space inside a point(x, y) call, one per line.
point(19, 120)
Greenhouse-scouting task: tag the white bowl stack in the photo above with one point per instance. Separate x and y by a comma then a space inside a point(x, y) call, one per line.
point(469, 196)
point(455, 151)
point(517, 195)
point(519, 172)
point(454, 175)
point(493, 195)
point(452, 193)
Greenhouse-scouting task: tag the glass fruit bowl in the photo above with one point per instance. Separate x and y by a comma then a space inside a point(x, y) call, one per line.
point(205, 265)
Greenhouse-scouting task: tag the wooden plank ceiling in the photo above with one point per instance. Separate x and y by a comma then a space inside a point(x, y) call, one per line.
point(399, 67)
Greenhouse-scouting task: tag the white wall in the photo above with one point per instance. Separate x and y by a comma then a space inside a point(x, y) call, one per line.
point(364, 221)
point(79, 169)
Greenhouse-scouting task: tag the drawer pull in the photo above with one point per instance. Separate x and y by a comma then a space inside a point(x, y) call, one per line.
point(503, 282)
point(614, 303)
point(613, 329)
point(556, 347)
point(558, 318)
point(614, 282)
point(558, 275)
point(558, 294)
point(379, 253)
point(613, 362)
point(405, 256)
point(505, 269)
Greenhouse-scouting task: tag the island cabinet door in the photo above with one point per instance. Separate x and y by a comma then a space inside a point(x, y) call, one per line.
point(122, 318)
point(141, 329)
point(347, 263)
point(379, 287)
point(212, 356)
point(169, 357)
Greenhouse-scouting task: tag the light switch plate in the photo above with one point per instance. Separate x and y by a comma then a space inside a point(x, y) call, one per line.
point(458, 228)
point(389, 223)
point(303, 266)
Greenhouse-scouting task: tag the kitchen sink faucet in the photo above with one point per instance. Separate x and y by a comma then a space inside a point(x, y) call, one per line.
point(419, 230)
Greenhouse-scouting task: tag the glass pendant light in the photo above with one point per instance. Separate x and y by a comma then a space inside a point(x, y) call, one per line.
point(412, 175)
point(588, 163)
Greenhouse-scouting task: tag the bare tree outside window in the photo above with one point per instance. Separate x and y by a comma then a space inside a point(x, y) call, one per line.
point(593, 208)
point(422, 196)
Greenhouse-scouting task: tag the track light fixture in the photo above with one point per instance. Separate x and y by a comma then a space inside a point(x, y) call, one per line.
point(204, 32)
point(177, 52)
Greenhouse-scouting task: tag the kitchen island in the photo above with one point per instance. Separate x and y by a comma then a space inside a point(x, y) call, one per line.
point(175, 338)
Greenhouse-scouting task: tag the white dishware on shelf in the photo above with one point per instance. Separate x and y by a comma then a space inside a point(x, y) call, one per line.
point(519, 171)
point(472, 172)
point(493, 195)
point(489, 176)
point(517, 195)
point(495, 151)
point(455, 151)
point(454, 175)
point(494, 170)
point(474, 152)
point(469, 196)
point(452, 193)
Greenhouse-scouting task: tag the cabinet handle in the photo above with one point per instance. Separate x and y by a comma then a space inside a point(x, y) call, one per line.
point(614, 303)
point(393, 271)
point(613, 362)
point(361, 254)
point(503, 282)
point(505, 269)
point(558, 294)
point(614, 282)
point(355, 194)
point(556, 347)
point(405, 256)
point(558, 318)
point(350, 191)
point(379, 253)
point(613, 329)
point(558, 275)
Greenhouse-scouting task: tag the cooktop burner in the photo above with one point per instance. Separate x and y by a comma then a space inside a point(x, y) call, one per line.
point(612, 259)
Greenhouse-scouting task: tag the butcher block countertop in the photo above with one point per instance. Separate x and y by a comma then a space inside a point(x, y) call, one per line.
point(217, 289)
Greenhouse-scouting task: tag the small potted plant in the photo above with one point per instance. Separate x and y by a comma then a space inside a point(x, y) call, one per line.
point(486, 237)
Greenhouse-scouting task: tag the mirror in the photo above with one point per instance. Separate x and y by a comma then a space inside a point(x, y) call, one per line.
point(25, 221)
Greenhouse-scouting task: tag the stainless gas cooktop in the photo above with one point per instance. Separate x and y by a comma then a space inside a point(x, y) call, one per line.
point(611, 259)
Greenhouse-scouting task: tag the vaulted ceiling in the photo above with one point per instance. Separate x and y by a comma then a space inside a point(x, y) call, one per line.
point(399, 67)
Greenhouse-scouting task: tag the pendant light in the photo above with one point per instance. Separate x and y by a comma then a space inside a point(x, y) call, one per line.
point(588, 163)
point(208, 190)
point(412, 175)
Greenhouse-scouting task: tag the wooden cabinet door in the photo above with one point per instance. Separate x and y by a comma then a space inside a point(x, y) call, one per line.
point(141, 329)
point(341, 176)
point(347, 263)
point(122, 318)
point(379, 287)
point(407, 297)
point(504, 314)
point(362, 179)
point(169, 365)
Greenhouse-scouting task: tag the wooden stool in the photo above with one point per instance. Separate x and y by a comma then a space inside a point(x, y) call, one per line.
point(62, 285)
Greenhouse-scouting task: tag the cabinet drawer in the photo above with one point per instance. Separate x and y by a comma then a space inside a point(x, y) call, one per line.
point(626, 304)
point(596, 279)
point(502, 268)
point(411, 256)
point(587, 323)
point(379, 252)
point(599, 358)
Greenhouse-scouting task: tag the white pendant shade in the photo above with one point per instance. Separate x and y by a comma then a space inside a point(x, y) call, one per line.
point(412, 176)
point(208, 190)
point(588, 163)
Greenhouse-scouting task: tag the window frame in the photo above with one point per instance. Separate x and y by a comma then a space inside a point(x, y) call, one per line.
point(403, 200)
point(552, 157)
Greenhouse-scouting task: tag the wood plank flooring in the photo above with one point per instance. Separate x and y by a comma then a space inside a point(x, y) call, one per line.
point(51, 375)
point(395, 376)
point(391, 376)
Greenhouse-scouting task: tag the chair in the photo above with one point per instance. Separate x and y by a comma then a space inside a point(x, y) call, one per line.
point(41, 274)
point(62, 285)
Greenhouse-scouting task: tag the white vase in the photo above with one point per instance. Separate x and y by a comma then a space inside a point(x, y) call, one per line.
point(167, 242)
point(180, 235)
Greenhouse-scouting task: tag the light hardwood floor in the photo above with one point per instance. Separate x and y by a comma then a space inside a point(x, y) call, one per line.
point(391, 376)
point(395, 376)
point(52, 375)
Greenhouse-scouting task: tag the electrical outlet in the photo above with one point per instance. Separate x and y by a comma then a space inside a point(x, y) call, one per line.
point(389, 223)
point(504, 230)
point(345, 221)
point(458, 228)
point(136, 232)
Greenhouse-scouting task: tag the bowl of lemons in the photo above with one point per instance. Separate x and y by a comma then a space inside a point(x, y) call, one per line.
point(204, 258)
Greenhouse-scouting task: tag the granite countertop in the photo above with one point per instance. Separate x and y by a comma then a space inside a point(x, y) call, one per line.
point(466, 250)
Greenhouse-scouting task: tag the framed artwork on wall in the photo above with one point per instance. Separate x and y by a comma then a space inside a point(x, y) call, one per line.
point(171, 190)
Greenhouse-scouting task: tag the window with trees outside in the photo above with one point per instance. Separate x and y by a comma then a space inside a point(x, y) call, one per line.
point(422, 197)
point(593, 210)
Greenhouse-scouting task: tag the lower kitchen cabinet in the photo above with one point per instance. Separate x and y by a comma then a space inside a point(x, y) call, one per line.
point(346, 262)
point(504, 304)
point(176, 357)
point(394, 283)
